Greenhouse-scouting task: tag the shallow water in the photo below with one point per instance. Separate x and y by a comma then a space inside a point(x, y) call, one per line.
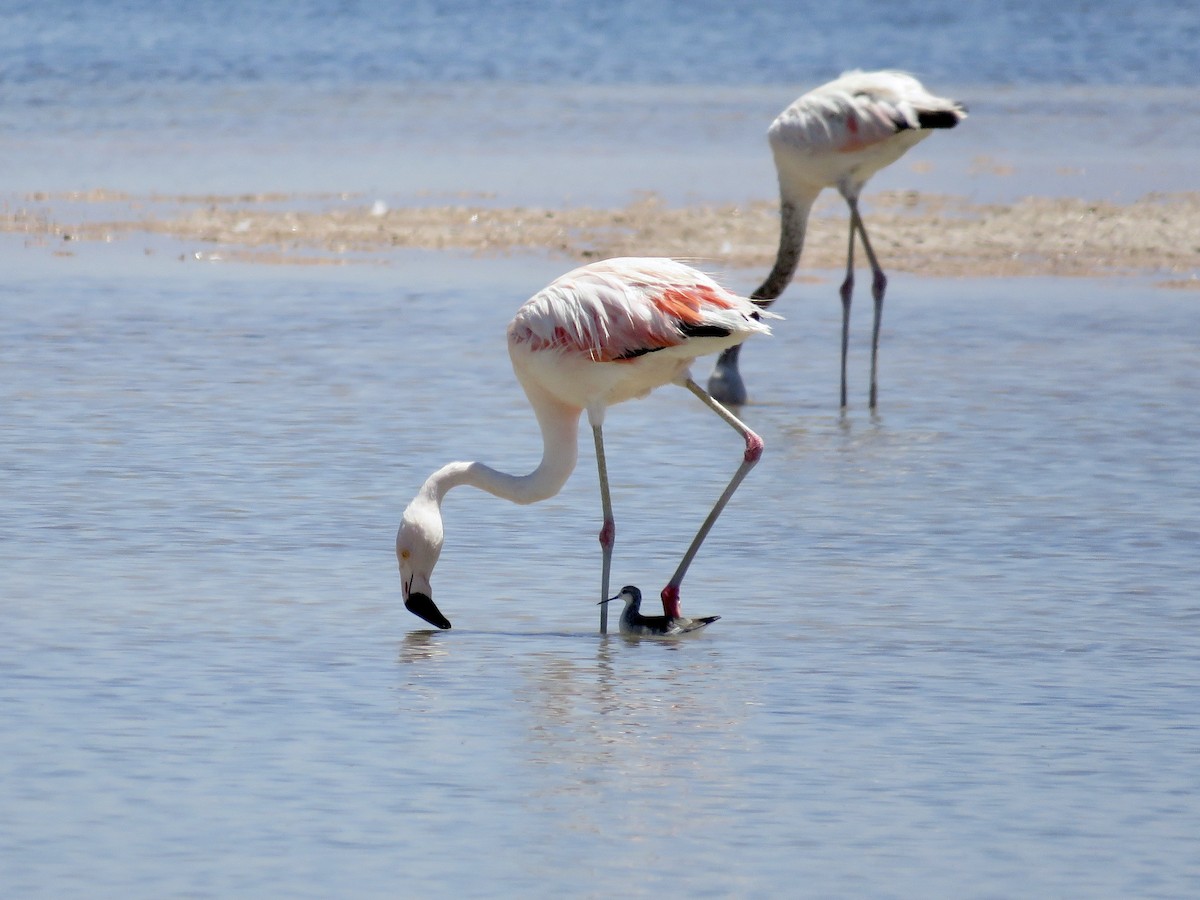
point(959, 642)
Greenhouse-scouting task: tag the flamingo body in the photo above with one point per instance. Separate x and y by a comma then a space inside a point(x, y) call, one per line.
point(838, 135)
point(616, 330)
point(601, 334)
point(842, 133)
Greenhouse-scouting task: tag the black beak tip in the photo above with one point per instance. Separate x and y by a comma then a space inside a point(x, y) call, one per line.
point(422, 605)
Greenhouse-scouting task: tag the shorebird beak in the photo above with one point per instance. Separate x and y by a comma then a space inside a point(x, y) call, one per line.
point(609, 600)
point(422, 605)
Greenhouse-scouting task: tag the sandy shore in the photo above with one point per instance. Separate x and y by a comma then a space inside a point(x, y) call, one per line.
point(928, 234)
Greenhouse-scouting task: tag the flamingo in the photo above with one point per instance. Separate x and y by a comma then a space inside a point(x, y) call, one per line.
point(601, 334)
point(838, 135)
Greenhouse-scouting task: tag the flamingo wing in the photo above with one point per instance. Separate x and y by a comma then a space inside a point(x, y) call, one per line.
point(621, 309)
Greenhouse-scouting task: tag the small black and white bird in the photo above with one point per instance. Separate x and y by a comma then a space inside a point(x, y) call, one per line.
point(634, 623)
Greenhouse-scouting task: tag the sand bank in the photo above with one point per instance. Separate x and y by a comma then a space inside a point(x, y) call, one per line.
point(932, 235)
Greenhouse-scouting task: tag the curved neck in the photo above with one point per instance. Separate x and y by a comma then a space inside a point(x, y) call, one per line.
point(560, 438)
point(793, 221)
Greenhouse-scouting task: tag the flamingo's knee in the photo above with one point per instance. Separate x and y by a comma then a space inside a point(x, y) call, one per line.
point(608, 534)
point(754, 447)
point(670, 600)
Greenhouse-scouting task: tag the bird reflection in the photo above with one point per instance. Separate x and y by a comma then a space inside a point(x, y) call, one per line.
point(628, 694)
point(625, 733)
point(420, 646)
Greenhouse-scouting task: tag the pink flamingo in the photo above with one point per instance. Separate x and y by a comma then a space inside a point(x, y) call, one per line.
point(838, 135)
point(601, 334)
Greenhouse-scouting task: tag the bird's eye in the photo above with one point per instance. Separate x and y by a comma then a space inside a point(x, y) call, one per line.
point(404, 554)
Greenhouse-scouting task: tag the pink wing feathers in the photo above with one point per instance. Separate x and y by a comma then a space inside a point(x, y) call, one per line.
point(860, 109)
point(620, 309)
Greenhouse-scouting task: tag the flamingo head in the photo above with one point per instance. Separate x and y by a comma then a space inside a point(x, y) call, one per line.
point(418, 546)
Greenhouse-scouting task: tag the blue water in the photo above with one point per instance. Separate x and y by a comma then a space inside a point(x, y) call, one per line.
point(577, 102)
point(960, 641)
point(130, 46)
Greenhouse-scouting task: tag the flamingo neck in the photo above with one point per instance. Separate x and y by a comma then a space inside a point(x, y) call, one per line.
point(560, 451)
point(793, 223)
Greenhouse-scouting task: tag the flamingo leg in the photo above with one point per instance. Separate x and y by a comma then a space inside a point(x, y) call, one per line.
point(847, 292)
point(754, 450)
point(608, 531)
point(878, 287)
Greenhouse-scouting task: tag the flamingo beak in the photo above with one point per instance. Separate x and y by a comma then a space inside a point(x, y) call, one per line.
point(422, 605)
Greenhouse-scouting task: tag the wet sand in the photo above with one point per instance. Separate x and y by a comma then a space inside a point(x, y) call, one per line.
point(933, 235)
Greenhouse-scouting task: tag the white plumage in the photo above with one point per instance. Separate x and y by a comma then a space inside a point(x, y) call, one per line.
point(619, 308)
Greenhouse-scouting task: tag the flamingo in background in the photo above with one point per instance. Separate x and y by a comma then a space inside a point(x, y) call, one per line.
point(838, 135)
point(601, 334)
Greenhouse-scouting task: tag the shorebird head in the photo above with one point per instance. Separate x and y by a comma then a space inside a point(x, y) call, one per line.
point(418, 546)
point(629, 595)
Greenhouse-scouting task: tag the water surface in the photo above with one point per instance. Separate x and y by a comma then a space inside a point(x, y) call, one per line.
point(959, 641)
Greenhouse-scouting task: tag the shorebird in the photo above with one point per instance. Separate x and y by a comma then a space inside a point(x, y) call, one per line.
point(601, 334)
point(838, 135)
point(634, 623)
